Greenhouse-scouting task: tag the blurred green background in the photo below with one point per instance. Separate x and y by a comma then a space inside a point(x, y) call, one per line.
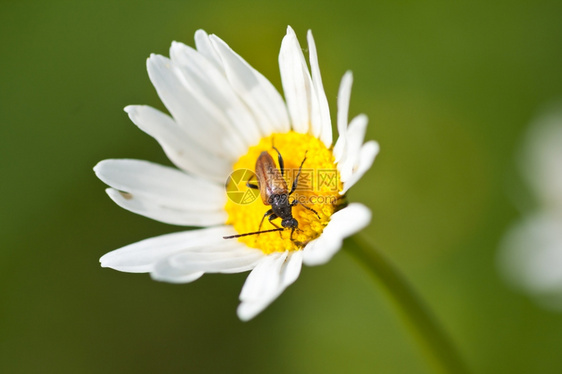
point(449, 88)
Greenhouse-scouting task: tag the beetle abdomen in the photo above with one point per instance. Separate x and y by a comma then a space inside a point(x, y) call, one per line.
point(270, 180)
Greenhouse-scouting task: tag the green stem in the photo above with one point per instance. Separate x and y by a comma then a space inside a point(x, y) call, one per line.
point(429, 334)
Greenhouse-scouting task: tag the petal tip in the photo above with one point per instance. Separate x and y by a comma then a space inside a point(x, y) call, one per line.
point(247, 311)
point(200, 32)
point(96, 167)
point(347, 78)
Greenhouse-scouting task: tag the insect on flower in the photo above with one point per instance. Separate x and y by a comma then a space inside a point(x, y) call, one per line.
point(222, 115)
point(273, 191)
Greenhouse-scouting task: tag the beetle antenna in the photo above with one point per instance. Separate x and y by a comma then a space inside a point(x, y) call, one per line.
point(252, 233)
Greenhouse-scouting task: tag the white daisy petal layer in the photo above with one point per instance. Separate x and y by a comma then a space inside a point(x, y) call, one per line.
point(206, 48)
point(344, 96)
point(166, 213)
point(325, 125)
point(261, 97)
point(354, 139)
point(197, 114)
point(366, 158)
point(185, 256)
point(142, 257)
point(346, 222)
point(267, 281)
point(162, 193)
point(297, 85)
point(228, 256)
point(206, 81)
point(178, 145)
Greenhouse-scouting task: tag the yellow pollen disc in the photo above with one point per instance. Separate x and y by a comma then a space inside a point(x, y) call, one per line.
point(318, 189)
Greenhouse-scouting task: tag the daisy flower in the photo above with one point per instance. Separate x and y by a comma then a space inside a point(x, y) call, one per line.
point(531, 251)
point(223, 116)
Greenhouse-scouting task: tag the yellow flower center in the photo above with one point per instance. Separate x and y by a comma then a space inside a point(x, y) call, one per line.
point(312, 203)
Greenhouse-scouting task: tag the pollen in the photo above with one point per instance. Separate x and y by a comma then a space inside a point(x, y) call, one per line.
point(315, 197)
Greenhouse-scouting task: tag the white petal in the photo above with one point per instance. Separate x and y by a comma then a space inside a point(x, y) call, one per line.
point(178, 145)
point(263, 280)
point(208, 126)
point(204, 46)
point(354, 139)
point(292, 269)
point(141, 257)
point(343, 223)
point(344, 96)
point(325, 120)
point(162, 193)
point(214, 91)
point(367, 156)
point(297, 83)
point(230, 256)
point(257, 92)
point(162, 184)
point(267, 281)
point(166, 213)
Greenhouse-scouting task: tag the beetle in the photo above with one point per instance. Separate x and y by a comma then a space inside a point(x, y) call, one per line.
point(274, 192)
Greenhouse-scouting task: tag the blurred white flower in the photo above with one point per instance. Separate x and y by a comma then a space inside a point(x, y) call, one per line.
point(224, 114)
point(530, 256)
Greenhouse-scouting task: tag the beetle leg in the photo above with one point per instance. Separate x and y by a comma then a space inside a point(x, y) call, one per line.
point(296, 181)
point(268, 213)
point(251, 185)
point(295, 202)
point(271, 218)
point(281, 162)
